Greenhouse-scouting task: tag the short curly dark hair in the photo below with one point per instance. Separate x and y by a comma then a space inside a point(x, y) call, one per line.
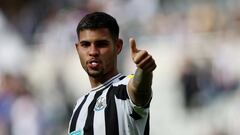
point(97, 20)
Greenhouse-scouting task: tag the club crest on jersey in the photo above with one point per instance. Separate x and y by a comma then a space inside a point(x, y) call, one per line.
point(100, 104)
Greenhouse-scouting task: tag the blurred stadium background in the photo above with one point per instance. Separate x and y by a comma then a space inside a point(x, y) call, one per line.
point(195, 44)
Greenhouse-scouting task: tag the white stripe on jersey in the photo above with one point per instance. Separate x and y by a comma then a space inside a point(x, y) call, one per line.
point(99, 128)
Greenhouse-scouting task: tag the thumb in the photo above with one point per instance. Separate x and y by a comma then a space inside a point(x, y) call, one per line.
point(132, 43)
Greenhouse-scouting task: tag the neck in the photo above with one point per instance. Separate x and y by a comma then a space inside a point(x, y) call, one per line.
point(96, 81)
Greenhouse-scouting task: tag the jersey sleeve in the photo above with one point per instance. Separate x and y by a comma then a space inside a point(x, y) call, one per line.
point(136, 112)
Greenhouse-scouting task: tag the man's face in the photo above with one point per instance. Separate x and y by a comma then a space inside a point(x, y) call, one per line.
point(97, 52)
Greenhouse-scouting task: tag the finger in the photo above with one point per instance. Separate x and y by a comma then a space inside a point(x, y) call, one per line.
point(147, 64)
point(145, 61)
point(141, 55)
point(133, 46)
point(149, 67)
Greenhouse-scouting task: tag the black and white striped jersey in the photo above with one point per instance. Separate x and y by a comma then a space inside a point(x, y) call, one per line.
point(108, 110)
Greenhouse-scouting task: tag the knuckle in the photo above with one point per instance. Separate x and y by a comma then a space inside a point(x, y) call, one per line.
point(150, 56)
point(144, 52)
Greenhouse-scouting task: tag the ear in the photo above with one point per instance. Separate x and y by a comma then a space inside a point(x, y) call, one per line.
point(119, 45)
point(77, 46)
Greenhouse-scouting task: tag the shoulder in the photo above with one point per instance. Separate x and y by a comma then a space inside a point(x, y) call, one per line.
point(123, 80)
point(81, 99)
point(119, 87)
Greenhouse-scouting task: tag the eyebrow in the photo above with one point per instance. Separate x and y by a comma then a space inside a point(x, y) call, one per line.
point(81, 42)
point(97, 41)
point(102, 41)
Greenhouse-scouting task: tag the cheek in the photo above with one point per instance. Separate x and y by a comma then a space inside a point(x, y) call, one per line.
point(82, 58)
point(110, 59)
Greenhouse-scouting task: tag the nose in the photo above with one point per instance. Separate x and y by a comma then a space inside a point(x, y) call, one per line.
point(94, 51)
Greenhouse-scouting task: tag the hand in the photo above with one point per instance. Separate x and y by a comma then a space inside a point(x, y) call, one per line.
point(141, 58)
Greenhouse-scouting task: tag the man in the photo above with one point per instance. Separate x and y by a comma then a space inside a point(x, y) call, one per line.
point(116, 104)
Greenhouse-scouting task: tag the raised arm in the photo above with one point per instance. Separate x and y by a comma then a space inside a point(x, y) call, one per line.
point(139, 87)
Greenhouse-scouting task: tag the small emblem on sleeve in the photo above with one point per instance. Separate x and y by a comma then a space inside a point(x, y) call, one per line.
point(100, 104)
point(78, 132)
point(130, 76)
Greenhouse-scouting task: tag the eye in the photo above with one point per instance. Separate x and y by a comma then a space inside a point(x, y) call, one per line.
point(84, 44)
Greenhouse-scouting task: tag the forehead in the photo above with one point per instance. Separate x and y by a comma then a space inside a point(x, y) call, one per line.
point(94, 34)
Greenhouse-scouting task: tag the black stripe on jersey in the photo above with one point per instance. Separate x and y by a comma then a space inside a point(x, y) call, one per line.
point(121, 92)
point(146, 130)
point(88, 128)
point(122, 77)
point(76, 114)
point(111, 117)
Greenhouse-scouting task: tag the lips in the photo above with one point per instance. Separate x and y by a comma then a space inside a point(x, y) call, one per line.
point(93, 63)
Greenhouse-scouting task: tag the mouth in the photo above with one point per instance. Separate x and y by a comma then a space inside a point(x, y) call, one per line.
point(93, 63)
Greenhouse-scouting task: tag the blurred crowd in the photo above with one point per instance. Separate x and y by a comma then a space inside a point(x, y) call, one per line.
point(195, 45)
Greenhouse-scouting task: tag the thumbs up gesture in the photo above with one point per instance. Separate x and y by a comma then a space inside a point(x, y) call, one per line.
point(141, 58)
